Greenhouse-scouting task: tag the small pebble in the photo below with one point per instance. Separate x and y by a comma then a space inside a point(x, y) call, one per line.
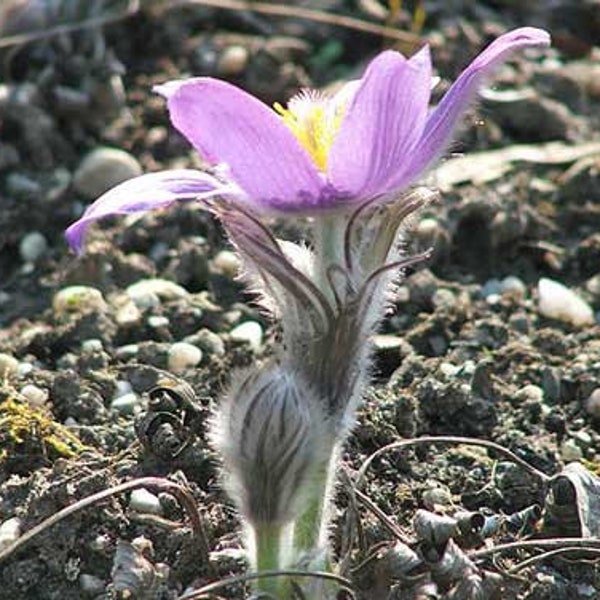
point(9, 366)
point(101, 543)
point(91, 585)
point(92, 345)
point(583, 439)
point(448, 370)
point(158, 321)
point(145, 293)
point(24, 369)
point(570, 451)
point(226, 263)
point(127, 352)
point(559, 302)
point(10, 532)
point(32, 247)
point(143, 501)
point(22, 186)
point(128, 314)
point(208, 341)
point(443, 298)
point(530, 393)
point(122, 387)
point(77, 298)
point(102, 169)
point(126, 404)
point(250, 332)
point(592, 404)
point(513, 286)
point(183, 356)
point(492, 287)
point(232, 61)
point(34, 395)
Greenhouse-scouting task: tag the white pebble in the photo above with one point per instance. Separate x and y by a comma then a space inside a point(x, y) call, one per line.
point(10, 532)
point(128, 351)
point(143, 501)
point(158, 321)
point(592, 404)
point(227, 263)
point(559, 302)
point(183, 356)
point(233, 60)
point(570, 451)
point(122, 387)
point(9, 366)
point(531, 393)
point(127, 404)
point(250, 332)
point(92, 345)
point(32, 246)
point(492, 287)
point(78, 297)
point(34, 395)
point(91, 585)
point(102, 169)
point(145, 292)
point(127, 312)
point(449, 370)
point(24, 369)
point(513, 286)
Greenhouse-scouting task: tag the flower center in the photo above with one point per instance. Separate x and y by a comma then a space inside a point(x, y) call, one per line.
point(314, 121)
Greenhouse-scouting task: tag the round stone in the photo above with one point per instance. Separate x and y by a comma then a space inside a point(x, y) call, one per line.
point(250, 332)
point(183, 356)
point(34, 395)
point(77, 298)
point(9, 366)
point(143, 501)
point(102, 169)
point(33, 246)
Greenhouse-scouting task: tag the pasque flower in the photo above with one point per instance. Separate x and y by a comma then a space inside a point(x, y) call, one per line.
point(373, 138)
point(348, 162)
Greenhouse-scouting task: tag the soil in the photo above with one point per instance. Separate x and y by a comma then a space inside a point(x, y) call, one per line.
point(466, 352)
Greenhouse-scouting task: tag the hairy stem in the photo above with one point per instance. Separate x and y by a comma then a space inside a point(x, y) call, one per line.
point(267, 540)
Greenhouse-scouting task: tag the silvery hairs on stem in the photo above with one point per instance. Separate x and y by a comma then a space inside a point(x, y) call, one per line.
point(270, 431)
point(329, 306)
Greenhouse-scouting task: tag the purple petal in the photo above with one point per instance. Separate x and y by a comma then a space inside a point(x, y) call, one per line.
point(227, 125)
point(147, 192)
point(383, 123)
point(444, 119)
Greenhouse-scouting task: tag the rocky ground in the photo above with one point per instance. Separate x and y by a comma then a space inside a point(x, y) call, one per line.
point(495, 339)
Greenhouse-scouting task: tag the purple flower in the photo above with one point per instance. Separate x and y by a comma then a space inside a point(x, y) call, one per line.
point(372, 139)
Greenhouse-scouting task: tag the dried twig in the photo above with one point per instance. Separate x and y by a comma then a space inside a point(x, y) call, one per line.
point(289, 10)
point(586, 544)
point(448, 439)
point(91, 23)
point(545, 555)
point(385, 519)
point(183, 495)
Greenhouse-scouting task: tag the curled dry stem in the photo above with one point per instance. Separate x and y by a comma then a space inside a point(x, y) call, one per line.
point(594, 551)
point(449, 439)
point(581, 544)
point(181, 493)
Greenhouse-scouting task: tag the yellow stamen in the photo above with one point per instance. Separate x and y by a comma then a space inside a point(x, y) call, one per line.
point(314, 126)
